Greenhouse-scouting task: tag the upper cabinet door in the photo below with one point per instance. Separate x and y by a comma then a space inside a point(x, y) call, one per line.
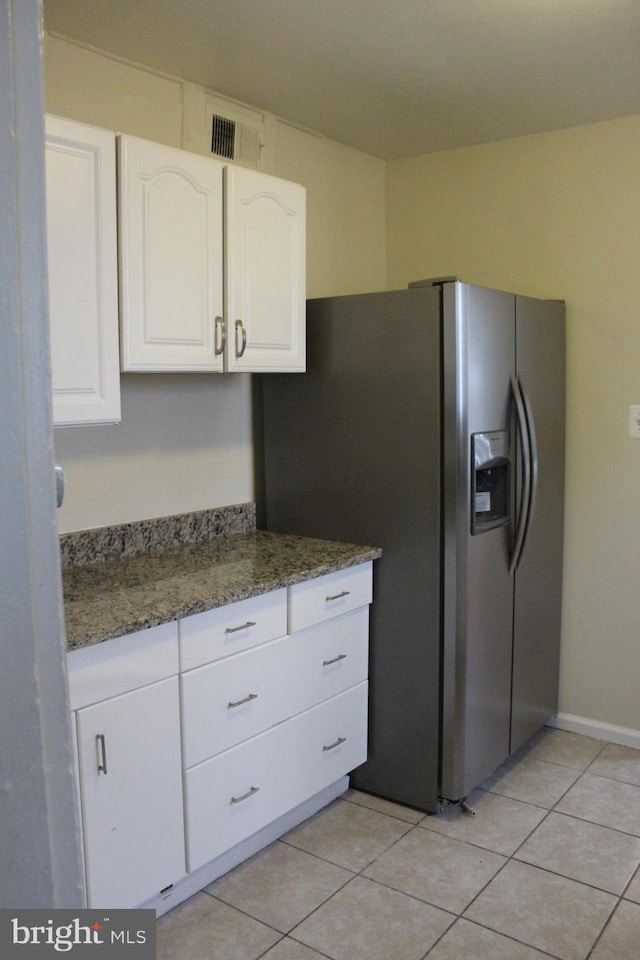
point(170, 258)
point(265, 272)
point(83, 280)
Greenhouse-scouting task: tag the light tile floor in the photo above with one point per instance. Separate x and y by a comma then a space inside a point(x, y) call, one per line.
point(548, 867)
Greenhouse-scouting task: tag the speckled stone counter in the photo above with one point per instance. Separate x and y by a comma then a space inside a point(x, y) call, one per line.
point(139, 589)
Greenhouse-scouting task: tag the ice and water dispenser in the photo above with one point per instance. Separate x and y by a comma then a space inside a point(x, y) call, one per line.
point(490, 479)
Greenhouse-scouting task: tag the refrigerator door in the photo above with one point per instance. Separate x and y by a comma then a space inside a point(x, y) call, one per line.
point(540, 337)
point(479, 359)
point(352, 452)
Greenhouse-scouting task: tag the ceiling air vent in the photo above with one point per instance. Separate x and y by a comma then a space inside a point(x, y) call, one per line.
point(235, 140)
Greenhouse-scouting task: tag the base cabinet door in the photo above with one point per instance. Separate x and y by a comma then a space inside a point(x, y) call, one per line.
point(131, 795)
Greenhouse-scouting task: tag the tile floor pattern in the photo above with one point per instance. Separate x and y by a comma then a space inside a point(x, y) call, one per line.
point(548, 867)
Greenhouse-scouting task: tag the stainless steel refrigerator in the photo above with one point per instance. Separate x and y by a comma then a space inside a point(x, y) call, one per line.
point(430, 423)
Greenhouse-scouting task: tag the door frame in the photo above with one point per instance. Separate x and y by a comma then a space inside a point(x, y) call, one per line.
point(40, 837)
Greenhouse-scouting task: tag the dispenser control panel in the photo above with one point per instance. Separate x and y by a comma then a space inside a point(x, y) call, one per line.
point(490, 479)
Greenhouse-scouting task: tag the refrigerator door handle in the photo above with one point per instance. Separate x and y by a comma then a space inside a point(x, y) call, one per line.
point(525, 492)
point(533, 450)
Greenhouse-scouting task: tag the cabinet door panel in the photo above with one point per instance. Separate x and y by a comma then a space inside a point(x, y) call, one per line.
point(265, 272)
point(82, 269)
point(170, 257)
point(132, 811)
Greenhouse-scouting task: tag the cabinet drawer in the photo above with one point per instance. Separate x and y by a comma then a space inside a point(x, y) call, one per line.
point(240, 791)
point(236, 793)
point(331, 740)
point(327, 659)
point(314, 601)
point(231, 700)
point(230, 629)
point(124, 663)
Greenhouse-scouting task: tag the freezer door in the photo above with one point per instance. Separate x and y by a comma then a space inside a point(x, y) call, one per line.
point(540, 338)
point(479, 359)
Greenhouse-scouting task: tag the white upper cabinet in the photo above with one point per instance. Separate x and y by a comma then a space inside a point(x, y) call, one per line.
point(82, 268)
point(264, 272)
point(171, 272)
point(212, 274)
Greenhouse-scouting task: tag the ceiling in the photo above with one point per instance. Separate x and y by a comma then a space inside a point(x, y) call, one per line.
point(393, 78)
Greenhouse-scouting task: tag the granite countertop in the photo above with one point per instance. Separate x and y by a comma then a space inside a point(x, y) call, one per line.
point(125, 594)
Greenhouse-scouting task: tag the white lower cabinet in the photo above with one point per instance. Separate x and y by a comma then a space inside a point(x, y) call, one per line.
point(130, 785)
point(192, 737)
point(124, 694)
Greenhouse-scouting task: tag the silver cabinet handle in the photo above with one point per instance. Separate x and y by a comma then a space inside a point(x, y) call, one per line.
point(341, 656)
point(238, 703)
point(240, 326)
point(243, 626)
point(220, 343)
point(250, 792)
point(338, 596)
point(102, 753)
point(337, 743)
point(59, 475)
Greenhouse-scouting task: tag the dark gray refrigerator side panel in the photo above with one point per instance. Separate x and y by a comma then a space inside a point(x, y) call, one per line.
point(352, 452)
point(540, 338)
point(479, 358)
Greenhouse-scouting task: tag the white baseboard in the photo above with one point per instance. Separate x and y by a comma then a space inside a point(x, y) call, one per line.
point(625, 736)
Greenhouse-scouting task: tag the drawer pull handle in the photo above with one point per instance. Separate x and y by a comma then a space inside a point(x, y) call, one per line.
point(338, 596)
point(102, 753)
point(250, 792)
point(327, 663)
point(243, 626)
point(238, 703)
point(337, 743)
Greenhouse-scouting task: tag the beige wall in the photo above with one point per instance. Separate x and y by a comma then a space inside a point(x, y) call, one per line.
point(185, 441)
point(558, 215)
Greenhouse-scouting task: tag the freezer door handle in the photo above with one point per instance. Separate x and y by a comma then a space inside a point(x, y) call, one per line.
point(525, 492)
